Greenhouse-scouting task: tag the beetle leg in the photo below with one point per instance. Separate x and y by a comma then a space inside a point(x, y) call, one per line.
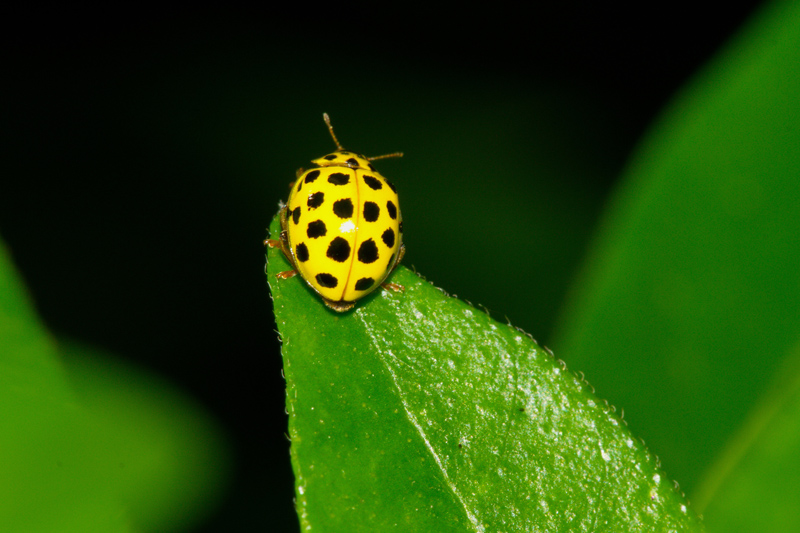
point(286, 274)
point(394, 287)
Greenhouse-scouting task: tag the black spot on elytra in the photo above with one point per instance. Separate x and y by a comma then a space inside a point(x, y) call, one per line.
point(315, 200)
point(339, 250)
point(299, 185)
point(316, 229)
point(364, 284)
point(301, 252)
point(391, 186)
point(371, 211)
point(327, 280)
point(296, 215)
point(330, 157)
point(371, 167)
point(311, 176)
point(392, 209)
point(373, 183)
point(388, 237)
point(353, 162)
point(368, 252)
point(338, 178)
point(343, 208)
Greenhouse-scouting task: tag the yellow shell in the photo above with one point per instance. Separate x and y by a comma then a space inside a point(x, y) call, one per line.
point(342, 227)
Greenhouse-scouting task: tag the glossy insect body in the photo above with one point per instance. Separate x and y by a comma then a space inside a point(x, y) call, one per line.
point(342, 228)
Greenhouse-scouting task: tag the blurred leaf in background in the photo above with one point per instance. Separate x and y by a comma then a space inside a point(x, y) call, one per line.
point(87, 444)
point(693, 283)
point(754, 484)
point(170, 461)
point(52, 464)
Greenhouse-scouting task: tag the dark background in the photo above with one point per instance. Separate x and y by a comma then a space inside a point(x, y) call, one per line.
point(145, 154)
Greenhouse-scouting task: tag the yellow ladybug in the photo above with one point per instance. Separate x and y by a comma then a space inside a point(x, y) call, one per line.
point(341, 228)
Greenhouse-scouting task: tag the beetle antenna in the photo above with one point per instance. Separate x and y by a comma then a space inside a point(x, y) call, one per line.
point(327, 120)
point(386, 156)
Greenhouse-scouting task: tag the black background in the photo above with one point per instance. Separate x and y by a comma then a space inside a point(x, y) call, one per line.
point(123, 130)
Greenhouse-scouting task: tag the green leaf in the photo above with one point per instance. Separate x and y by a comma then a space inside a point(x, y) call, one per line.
point(754, 485)
point(165, 457)
point(691, 301)
point(418, 412)
point(124, 453)
point(51, 468)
